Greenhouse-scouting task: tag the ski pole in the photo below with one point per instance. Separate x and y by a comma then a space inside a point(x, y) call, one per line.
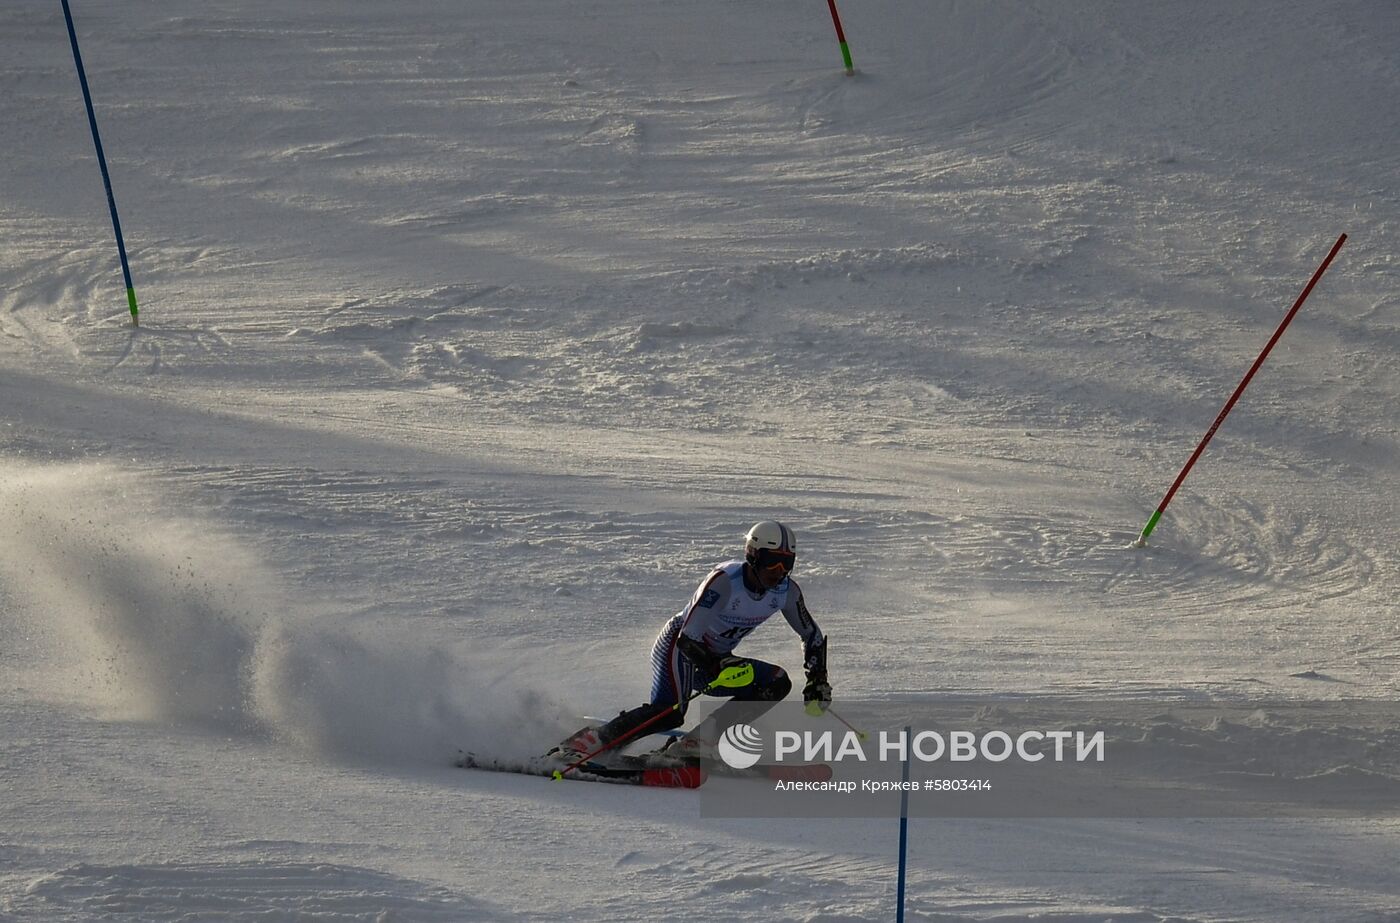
point(1229, 405)
point(858, 732)
point(735, 677)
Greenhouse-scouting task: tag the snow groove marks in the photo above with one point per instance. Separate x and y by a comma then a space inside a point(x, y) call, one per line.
point(1226, 553)
point(517, 365)
point(946, 80)
point(241, 890)
point(852, 265)
point(788, 884)
point(763, 883)
point(930, 80)
point(612, 141)
point(464, 335)
point(72, 308)
point(1031, 909)
point(51, 305)
point(1346, 749)
point(444, 305)
point(1264, 555)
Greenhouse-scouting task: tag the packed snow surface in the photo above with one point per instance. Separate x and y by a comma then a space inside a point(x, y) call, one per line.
point(472, 334)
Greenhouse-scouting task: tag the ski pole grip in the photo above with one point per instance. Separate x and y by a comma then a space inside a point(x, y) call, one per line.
point(735, 677)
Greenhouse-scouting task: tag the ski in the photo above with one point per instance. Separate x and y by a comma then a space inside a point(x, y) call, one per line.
point(656, 776)
point(778, 772)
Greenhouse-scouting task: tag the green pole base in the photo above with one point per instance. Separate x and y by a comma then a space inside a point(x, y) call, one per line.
point(1147, 530)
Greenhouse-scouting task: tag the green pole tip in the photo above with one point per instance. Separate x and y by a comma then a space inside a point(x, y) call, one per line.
point(1147, 530)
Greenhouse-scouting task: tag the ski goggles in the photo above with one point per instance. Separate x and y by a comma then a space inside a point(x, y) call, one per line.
point(766, 559)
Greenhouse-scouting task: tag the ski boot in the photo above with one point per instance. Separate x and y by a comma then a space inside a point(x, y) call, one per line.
point(577, 745)
point(689, 748)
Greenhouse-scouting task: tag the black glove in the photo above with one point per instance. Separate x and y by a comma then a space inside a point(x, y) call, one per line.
point(817, 694)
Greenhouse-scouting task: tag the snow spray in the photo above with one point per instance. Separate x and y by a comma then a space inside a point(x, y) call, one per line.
point(133, 614)
point(102, 164)
point(1244, 383)
point(133, 610)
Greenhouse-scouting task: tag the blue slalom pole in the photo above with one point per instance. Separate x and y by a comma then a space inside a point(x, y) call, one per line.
point(102, 162)
point(903, 831)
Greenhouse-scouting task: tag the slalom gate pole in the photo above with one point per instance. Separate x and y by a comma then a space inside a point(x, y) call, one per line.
point(102, 163)
point(1244, 383)
point(841, 37)
point(903, 833)
point(730, 677)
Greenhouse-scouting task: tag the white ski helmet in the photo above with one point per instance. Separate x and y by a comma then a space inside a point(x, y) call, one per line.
point(770, 543)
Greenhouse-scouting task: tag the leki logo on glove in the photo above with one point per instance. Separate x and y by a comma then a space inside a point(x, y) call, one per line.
point(740, 746)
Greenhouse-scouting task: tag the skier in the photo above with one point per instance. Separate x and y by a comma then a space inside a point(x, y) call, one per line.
point(699, 641)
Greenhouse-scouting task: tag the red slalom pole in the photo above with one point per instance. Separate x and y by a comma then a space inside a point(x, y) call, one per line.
point(841, 37)
point(1244, 383)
